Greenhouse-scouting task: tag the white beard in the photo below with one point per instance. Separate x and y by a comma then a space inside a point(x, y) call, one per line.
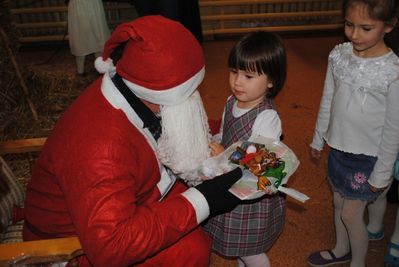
point(184, 143)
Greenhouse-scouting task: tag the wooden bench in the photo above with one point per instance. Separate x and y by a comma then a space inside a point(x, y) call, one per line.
point(32, 252)
point(42, 251)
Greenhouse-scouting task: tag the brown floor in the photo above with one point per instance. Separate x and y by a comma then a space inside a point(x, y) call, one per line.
point(309, 226)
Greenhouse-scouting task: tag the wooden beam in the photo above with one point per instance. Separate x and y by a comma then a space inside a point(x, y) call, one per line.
point(118, 7)
point(55, 24)
point(274, 29)
point(216, 3)
point(22, 145)
point(50, 24)
point(331, 13)
point(38, 251)
point(43, 38)
point(33, 10)
point(51, 9)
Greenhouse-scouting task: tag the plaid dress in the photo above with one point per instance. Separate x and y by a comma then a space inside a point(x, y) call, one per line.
point(251, 228)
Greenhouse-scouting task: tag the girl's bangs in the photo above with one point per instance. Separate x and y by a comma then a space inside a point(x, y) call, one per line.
point(245, 62)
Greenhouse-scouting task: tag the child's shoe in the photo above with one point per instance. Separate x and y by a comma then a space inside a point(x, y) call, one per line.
point(375, 236)
point(389, 259)
point(316, 260)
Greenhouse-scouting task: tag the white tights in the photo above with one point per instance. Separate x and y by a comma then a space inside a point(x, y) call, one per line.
point(259, 260)
point(376, 219)
point(376, 212)
point(350, 230)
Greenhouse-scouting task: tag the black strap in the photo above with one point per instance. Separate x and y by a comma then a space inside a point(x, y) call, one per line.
point(152, 122)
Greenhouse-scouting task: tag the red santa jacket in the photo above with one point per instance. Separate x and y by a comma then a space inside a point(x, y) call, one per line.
point(98, 178)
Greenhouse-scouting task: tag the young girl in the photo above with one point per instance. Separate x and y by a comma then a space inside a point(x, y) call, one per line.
point(257, 74)
point(359, 120)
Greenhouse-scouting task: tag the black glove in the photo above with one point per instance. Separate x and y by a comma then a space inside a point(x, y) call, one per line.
point(216, 192)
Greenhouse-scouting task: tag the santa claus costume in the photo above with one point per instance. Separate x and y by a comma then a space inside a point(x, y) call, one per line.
point(100, 175)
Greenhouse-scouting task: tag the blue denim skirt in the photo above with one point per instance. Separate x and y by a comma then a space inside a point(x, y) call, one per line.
point(349, 173)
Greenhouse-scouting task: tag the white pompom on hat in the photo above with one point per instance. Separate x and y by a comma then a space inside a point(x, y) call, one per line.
point(103, 66)
point(162, 62)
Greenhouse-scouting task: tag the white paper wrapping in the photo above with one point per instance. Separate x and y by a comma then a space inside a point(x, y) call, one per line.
point(246, 187)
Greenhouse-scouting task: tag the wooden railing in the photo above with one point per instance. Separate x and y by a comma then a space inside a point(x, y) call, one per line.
point(240, 16)
point(49, 23)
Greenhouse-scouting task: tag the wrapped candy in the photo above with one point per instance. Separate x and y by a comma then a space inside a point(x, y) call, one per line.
point(267, 165)
point(261, 162)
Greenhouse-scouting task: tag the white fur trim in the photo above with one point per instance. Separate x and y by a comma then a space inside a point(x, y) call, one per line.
point(168, 97)
point(199, 202)
point(103, 66)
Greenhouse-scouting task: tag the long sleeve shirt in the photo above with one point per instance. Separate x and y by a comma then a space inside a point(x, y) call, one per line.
point(359, 110)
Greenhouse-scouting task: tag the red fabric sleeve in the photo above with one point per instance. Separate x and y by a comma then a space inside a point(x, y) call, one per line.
point(108, 215)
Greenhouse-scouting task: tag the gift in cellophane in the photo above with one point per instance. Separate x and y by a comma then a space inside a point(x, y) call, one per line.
point(267, 166)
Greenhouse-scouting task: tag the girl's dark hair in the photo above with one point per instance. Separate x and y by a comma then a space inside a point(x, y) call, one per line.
point(383, 10)
point(264, 53)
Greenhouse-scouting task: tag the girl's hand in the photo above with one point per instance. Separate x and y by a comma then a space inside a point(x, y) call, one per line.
point(316, 154)
point(216, 149)
point(269, 191)
point(376, 189)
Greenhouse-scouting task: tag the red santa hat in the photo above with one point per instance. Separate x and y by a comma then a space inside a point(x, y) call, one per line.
point(162, 61)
